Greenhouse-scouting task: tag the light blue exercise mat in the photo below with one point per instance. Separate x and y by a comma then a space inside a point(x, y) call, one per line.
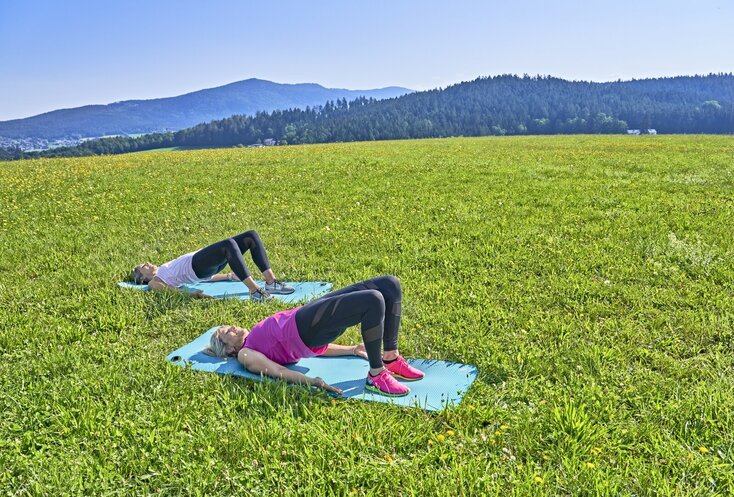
point(445, 382)
point(305, 290)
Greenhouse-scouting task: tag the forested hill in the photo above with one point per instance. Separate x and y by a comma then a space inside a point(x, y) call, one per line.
point(174, 113)
point(500, 105)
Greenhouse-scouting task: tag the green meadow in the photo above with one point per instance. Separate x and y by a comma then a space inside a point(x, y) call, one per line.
point(590, 279)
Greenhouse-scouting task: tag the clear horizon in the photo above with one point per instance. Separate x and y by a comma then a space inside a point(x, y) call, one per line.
point(83, 53)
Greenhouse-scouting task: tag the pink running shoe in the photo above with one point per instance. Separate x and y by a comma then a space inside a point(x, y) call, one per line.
point(401, 369)
point(386, 384)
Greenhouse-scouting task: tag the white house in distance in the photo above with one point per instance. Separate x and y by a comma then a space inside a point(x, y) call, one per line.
point(267, 142)
point(642, 131)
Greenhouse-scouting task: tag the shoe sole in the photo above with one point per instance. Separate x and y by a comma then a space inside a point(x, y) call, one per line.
point(401, 377)
point(380, 392)
point(277, 292)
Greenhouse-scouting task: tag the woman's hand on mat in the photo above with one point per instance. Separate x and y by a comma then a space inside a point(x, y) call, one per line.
point(318, 382)
point(360, 350)
point(199, 294)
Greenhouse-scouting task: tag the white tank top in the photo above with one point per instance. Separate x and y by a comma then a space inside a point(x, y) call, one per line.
point(178, 271)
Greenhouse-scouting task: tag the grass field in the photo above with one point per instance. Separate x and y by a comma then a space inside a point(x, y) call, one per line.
point(589, 278)
point(164, 149)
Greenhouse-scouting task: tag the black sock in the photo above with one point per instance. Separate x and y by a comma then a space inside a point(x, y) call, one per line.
point(391, 360)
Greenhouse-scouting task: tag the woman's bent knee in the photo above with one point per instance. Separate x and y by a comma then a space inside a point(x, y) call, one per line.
point(374, 299)
point(231, 244)
point(391, 285)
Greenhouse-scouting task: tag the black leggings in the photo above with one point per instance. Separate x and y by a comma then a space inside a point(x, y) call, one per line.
point(375, 304)
point(210, 260)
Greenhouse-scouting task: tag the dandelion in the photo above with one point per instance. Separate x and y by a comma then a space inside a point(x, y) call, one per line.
point(538, 479)
point(703, 450)
point(504, 427)
point(451, 433)
point(595, 450)
point(440, 437)
point(388, 458)
point(430, 442)
point(589, 465)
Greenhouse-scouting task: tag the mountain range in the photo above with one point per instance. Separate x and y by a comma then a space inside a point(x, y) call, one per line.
point(173, 113)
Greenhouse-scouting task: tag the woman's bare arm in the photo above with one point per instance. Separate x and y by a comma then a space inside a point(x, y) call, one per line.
point(334, 350)
point(158, 284)
point(257, 363)
point(224, 277)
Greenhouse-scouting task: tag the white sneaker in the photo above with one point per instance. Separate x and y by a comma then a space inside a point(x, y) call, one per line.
point(260, 295)
point(278, 287)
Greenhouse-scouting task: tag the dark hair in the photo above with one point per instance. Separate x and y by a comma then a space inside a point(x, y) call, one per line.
point(137, 276)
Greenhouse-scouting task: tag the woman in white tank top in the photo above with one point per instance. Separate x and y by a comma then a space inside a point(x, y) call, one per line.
point(205, 264)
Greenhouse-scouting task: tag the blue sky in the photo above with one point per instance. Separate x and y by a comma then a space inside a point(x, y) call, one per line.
point(56, 54)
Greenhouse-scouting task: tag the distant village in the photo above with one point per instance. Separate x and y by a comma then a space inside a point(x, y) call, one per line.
point(31, 144)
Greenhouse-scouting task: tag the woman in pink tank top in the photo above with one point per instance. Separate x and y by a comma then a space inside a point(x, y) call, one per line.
point(205, 264)
point(307, 331)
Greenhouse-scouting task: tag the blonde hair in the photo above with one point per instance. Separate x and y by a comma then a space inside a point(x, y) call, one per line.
point(216, 346)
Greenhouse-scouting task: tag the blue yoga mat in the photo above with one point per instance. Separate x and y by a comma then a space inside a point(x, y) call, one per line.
point(445, 382)
point(305, 290)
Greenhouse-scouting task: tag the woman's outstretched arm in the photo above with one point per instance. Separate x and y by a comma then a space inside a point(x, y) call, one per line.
point(257, 363)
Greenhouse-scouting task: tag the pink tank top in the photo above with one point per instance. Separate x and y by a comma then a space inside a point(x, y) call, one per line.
point(178, 271)
point(276, 337)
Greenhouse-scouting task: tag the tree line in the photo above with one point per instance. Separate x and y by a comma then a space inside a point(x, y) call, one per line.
point(496, 105)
